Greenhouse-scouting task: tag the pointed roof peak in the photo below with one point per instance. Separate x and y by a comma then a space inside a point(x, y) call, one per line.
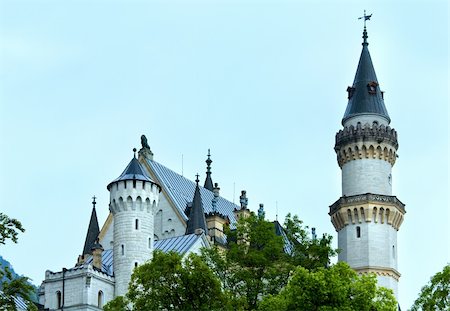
point(208, 181)
point(365, 96)
point(196, 218)
point(93, 231)
point(133, 171)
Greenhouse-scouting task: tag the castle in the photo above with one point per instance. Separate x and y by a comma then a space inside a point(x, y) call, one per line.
point(154, 208)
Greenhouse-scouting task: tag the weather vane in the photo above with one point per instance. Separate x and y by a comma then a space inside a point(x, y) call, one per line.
point(365, 17)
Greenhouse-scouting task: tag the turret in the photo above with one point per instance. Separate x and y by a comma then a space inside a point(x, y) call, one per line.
point(91, 235)
point(367, 216)
point(208, 181)
point(133, 199)
point(196, 213)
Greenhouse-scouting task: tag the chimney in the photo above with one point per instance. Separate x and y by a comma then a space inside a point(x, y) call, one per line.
point(97, 251)
point(216, 190)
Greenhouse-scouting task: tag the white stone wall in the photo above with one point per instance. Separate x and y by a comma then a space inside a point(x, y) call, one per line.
point(376, 247)
point(366, 176)
point(388, 282)
point(366, 118)
point(167, 221)
point(132, 246)
point(81, 288)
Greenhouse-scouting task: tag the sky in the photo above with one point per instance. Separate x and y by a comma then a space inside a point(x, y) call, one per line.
point(261, 83)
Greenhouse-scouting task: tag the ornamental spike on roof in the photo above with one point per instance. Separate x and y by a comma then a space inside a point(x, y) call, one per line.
point(208, 181)
point(364, 96)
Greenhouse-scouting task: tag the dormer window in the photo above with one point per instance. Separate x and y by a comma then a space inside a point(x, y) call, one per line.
point(372, 87)
point(350, 91)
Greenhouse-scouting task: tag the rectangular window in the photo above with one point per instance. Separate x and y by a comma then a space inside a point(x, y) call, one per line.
point(358, 231)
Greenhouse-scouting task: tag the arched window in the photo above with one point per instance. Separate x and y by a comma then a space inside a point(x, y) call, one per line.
point(100, 299)
point(58, 300)
point(393, 251)
point(122, 249)
point(136, 224)
point(135, 264)
point(150, 243)
point(358, 231)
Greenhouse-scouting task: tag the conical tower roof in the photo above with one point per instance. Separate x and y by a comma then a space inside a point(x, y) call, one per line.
point(93, 231)
point(364, 95)
point(196, 218)
point(133, 171)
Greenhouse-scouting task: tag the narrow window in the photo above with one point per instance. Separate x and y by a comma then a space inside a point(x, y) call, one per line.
point(134, 183)
point(135, 264)
point(122, 249)
point(393, 251)
point(358, 231)
point(136, 224)
point(100, 299)
point(125, 184)
point(149, 243)
point(143, 184)
point(58, 300)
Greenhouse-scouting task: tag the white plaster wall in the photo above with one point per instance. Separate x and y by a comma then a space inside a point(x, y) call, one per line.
point(167, 222)
point(108, 238)
point(366, 176)
point(137, 243)
point(366, 118)
point(79, 293)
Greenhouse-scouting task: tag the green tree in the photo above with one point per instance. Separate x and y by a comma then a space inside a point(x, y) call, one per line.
point(257, 262)
point(436, 294)
point(13, 286)
point(169, 282)
point(337, 288)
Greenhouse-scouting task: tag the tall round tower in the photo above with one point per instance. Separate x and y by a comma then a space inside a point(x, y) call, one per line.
point(133, 199)
point(367, 216)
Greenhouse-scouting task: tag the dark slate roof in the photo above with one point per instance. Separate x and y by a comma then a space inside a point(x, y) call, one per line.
point(196, 214)
point(362, 102)
point(279, 230)
point(133, 171)
point(92, 233)
point(180, 190)
point(107, 261)
point(180, 244)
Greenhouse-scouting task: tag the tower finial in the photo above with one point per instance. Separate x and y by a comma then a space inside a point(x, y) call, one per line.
point(365, 18)
point(208, 181)
point(93, 201)
point(196, 179)
point(134, 151)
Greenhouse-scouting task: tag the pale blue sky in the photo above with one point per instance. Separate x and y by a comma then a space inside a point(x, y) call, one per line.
point(261, 83)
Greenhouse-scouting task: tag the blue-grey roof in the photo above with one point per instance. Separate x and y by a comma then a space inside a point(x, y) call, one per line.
point(361, 101)
point(133, 171)
point(107, 261)
point(19, 302)
point(180, 244)
point(279, 230)
point(181, 189)
point(92, 233)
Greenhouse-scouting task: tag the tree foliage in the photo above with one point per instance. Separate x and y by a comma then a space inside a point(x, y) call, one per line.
point(13, 286)
point(337, 288)
point(258, 262)
point(436, 294)
point(9, 228)
point(169, 282)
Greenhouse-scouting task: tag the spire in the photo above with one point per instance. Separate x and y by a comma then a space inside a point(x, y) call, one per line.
point(208, 181)
point(196, 214)
point(364, 96)
point(93, 230)
point(133, 171)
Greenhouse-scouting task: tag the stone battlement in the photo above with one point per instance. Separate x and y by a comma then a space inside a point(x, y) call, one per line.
point(367, 133)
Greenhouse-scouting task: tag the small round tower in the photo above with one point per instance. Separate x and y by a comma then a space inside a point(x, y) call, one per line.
point(367, 216)
point(133, 199)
